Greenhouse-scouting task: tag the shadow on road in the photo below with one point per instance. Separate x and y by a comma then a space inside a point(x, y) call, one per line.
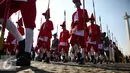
point(33, 69)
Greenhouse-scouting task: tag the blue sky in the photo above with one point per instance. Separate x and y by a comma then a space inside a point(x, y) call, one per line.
point(111, 12)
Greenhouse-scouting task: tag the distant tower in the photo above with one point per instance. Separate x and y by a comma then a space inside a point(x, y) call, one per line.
point(126, 18)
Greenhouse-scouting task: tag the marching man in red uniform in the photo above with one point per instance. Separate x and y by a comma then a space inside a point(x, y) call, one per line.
point(28, 11)
point(11, 41)
point(63, 44)
point(45, 35)
point(20, 26)
point(78, 27)
point(93, 38)
point(21, 30)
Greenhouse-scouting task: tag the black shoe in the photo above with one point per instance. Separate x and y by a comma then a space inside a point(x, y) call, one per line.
point(82, 61)
point(65, 61)
point(44, 56)
point(32, 54)
point(2, 53)
point(78, 57)
point(24, 59)
point(63, 58)
point(92, 58)
point(47, 60)
point(95, 61)
point(38, 58)
point(21, 48)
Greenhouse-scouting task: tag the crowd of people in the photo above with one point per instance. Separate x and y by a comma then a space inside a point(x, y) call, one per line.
point(87, 43)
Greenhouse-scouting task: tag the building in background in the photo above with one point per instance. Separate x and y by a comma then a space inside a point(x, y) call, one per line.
point(126, 18)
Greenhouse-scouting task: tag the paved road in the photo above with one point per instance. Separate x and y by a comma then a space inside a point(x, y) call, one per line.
point(53, 67)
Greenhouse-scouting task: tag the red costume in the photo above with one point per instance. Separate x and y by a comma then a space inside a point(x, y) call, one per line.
point(45, 34)
point(64, 36)
point(20, 28)
point(94, 35)
point(28, 11)
point(79, 18)
point(11, 42)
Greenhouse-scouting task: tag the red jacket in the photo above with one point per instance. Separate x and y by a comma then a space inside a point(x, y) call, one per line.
point(64, 36)
point(95, 34)
point(46, 29)
point(81, 19)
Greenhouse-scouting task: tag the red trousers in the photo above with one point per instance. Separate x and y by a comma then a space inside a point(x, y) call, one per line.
point(65, 48)
point(43, 44)
point(94, 46)
point(75, 39)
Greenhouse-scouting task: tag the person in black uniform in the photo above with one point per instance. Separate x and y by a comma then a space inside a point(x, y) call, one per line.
point(54, 48)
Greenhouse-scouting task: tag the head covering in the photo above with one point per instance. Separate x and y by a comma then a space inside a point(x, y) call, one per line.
point(55, 34)
point(63, 24)
point(104, 33)
point(74, 1)
point(19, 22)
point(114, 43)
point(92, 17)
point(47, 13)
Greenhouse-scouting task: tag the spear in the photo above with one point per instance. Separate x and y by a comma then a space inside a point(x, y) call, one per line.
point(109, 34)
point(48, 3)
point(112, 36)
point(6, 15)
point(65, 16)
point(107, 30)
point(100, 23)
point(40, 24)
point(94, 11)
point(84, 30)
point(57, 29)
